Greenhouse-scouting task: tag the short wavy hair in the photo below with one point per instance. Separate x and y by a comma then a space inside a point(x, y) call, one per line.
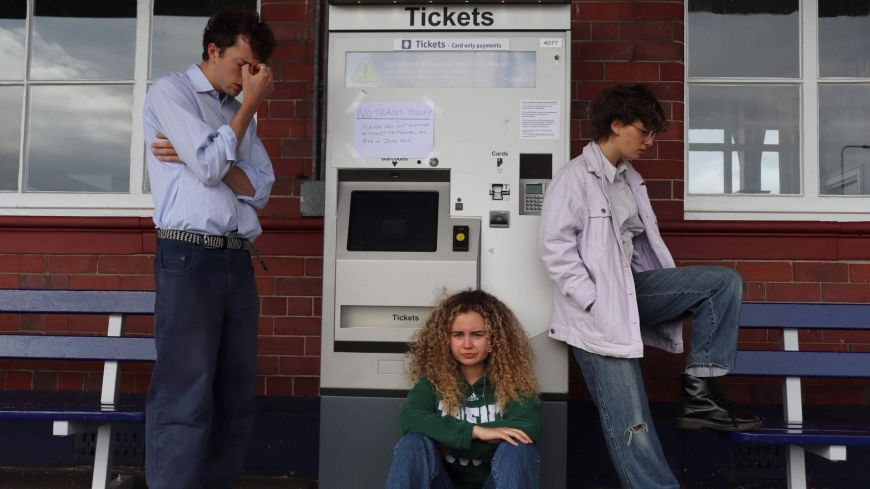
point(625, 103)
point(223, 28)
point(509, 364)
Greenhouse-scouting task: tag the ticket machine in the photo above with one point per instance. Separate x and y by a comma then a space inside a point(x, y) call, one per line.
point(445, 124)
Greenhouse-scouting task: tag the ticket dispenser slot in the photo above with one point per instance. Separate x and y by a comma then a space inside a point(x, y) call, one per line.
point(536, 171)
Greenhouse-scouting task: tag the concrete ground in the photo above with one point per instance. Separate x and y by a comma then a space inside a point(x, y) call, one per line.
point(80, 478)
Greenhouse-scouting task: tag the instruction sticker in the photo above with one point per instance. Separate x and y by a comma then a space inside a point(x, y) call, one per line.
point(539, 119)
point(393, 129)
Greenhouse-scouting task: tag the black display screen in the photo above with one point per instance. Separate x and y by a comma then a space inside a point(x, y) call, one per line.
point(393, 221)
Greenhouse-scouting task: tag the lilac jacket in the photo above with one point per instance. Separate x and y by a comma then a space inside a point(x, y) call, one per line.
point(581, 251)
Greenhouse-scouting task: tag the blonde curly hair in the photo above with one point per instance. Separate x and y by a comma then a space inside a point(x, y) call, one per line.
point(509, 364)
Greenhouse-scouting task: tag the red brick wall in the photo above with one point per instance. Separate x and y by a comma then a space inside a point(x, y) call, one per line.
point(613, 42)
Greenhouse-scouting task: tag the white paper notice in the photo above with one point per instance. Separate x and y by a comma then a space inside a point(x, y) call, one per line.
point(539, 119)
point(393, 130)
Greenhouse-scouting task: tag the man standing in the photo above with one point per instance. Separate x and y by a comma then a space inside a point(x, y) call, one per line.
point(208, 173)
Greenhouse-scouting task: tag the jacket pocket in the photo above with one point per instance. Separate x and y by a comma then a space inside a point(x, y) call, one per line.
point(599, 225)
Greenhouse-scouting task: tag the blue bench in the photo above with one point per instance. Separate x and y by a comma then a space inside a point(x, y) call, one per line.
point(826, 440)
point(75, 417)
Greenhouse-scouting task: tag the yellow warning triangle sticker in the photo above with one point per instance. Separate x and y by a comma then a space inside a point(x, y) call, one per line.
point(366, 72)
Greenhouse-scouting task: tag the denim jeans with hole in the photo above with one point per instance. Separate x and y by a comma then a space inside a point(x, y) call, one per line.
point(417, 464)
point(200, 408)
point(711, 296)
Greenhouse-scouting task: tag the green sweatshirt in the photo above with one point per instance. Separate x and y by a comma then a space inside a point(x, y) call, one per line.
point(467, 461)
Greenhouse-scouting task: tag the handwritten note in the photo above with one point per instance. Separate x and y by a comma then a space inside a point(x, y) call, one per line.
point(393, 129)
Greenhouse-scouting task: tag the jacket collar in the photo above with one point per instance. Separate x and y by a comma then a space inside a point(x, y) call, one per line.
point(595, 164)
point(595, 160)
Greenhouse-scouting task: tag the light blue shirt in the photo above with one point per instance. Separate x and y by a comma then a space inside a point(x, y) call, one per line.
point(192, 196)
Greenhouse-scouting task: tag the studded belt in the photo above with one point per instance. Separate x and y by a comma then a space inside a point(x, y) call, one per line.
point(234, 241)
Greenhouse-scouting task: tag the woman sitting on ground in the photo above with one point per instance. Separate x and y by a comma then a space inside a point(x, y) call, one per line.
point(473, 415)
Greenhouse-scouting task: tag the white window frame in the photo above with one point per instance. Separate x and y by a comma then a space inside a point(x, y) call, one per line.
point(136, 202)
point(809, 204)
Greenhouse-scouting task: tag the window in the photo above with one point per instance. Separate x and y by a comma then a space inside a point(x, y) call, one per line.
point(778, 97)
point(74, 80)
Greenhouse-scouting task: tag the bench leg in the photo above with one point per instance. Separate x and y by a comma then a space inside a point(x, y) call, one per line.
point(797, 474)
point(103, 457)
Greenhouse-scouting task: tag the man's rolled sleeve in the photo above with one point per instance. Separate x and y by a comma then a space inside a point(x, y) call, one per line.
point(230, 142)
point(259, 170)
point(261, 182)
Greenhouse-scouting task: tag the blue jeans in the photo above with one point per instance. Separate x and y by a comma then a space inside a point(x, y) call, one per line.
point(712, 295)
point(417, 464)
point(200, 408)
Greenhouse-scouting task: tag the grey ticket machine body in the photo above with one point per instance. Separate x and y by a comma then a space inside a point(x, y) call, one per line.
point(445, 123)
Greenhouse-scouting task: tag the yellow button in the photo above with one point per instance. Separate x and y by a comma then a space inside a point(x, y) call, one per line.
point(460, 236)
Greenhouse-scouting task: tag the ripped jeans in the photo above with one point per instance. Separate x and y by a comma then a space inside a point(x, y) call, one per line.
point(712, 296)
point(617, 389)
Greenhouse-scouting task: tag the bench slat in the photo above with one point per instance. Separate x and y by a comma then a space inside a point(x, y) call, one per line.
point(802, 363)
point(77, 347)
point(805, 434)
point(77, 301)
point(815, 316)
point(91, 411)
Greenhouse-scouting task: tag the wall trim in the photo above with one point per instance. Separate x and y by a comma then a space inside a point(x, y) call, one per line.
point(65, 223)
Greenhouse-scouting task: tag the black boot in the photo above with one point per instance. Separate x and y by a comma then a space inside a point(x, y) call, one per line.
point(703, 407)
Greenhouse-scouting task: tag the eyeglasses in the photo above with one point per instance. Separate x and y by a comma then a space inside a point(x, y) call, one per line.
point(645, 133)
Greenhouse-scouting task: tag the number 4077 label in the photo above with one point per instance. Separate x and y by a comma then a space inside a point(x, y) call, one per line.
point(551, 43)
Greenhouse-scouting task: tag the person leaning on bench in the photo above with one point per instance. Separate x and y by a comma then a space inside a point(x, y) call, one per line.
point(209, 173)
point(617, 289)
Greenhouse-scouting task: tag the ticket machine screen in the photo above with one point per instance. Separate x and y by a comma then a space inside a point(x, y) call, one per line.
point(393, 221)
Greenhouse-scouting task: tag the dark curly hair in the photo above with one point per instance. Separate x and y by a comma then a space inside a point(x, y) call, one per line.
point(509, 364)
point(625, 103)
point(223, 28)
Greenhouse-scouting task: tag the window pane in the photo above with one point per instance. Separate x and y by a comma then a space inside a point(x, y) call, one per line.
point(744, 38)
point(758, 151)
point(176, 39)
point(12, 14)
point(11, 99)
point(92, 40)
point(79, 138)
point(707, 171)
point(844, 46)
point(844, 139)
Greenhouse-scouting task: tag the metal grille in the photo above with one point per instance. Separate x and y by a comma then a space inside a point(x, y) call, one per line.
point(129, 446)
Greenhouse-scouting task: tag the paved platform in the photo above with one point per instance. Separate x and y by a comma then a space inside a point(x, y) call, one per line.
point(80, 478)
